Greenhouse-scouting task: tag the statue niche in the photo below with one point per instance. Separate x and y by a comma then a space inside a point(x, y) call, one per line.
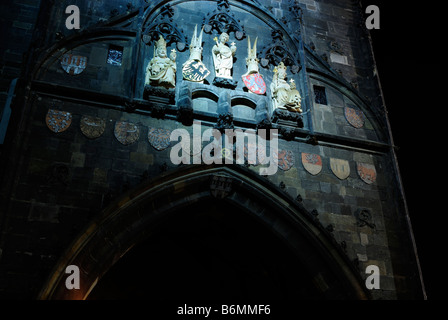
point(284, 95)
point(161, 70)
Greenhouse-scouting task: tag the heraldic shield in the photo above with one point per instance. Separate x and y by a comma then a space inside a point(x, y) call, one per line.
point(126, 132)
point(367, 172)
point(355, 117)
point(340, 168)
point(285, 159)
point(72, 64)
point(312, 163)
point(58, 121)
point(253, 154)
point(195, 71)
point(159, 138)
point(255, 83)
point(92, 127)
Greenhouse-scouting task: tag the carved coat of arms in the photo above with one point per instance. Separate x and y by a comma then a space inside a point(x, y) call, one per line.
point(57, 120)
point(220, 186)
point(159, 138)
point(253, 154)
point(355, 117)
point(285, 159)
point(194, 70)
point(126, 132)
point(312, 163)
point(255, 83)
point(72, 64)
point(367, 172)
point(92, 127)
point(340, 168)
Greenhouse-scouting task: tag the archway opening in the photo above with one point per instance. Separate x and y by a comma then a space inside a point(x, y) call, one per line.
point(165, 234)
point(209, 250)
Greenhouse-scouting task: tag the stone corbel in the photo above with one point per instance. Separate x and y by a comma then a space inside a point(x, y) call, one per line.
point(185, 105)
point(225, 112)
point(287, 117)
point(262, 116)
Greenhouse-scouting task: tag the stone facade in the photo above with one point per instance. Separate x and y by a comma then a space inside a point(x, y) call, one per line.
point(56, 183)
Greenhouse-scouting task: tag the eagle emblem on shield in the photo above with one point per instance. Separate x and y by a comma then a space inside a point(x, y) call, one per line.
point(312, 163)
point(194, 70)
point(340, 168)
point(159, 138)
point(57, 120)
point(126, 132)
point(355, 117)
point(255, 83)
point(366, 172)
point(285, 159)
point(72, 64)
point(92, 127)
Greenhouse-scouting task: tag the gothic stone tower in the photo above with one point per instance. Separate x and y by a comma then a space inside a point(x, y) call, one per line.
point(93, 178)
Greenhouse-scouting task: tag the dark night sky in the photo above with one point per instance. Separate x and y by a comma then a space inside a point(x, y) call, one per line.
point(410, 56)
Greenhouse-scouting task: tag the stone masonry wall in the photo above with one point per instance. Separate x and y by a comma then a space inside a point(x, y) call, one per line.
point(64, 179)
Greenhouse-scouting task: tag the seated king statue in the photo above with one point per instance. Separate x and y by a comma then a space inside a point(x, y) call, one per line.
point(284, 95)
point(161, 70)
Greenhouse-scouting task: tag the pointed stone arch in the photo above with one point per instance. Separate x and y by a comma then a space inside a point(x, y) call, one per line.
point(129, 220)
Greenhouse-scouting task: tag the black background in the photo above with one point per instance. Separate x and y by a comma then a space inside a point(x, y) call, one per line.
point(410, 55)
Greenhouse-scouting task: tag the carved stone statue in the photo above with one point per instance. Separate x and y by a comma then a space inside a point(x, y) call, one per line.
point(251, 60)
point(196, 45)
point(252, 79)
point(193, 69)
point(284, 95)
point(161, 70)
point(223, 56)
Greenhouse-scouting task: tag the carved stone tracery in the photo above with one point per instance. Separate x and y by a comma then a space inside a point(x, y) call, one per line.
point(223, 20)
point(164, 26)
point(277, 52)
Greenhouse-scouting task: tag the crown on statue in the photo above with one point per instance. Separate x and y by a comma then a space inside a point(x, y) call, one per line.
point(161, 43)
point(281, 66)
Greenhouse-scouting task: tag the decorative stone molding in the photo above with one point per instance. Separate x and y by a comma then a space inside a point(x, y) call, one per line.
point(164, 26)
point(223, 20)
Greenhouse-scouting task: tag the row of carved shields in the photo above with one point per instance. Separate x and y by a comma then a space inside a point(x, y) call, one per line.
point(340, 167)
point(127, 133)
point(93, 127)
point(313, 164)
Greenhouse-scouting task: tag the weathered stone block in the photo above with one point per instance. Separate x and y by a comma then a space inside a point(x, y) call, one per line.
point(78, 159)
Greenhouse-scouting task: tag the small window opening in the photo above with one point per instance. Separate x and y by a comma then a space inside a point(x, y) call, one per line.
point(115, 55)
point(319, 95)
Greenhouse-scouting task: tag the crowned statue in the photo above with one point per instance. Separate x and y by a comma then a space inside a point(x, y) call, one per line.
point(284, 95)
point(223, 56)
point(161, 70)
